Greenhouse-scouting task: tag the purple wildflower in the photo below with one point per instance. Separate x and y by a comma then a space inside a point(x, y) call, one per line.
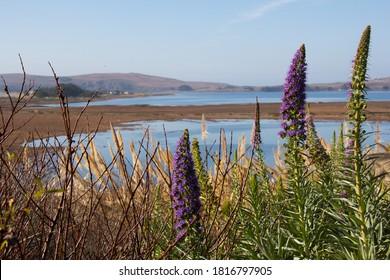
point(185, 190)
point(343, 193)
point(256, 135)
point(293, 102)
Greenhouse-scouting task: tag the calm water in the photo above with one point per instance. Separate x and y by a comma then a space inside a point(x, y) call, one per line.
point(215, 98)
point(232, 128)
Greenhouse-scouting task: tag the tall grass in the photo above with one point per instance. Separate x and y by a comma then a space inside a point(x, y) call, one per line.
point(320, 200)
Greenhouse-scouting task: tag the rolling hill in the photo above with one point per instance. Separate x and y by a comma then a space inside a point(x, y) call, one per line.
point(134, 82)
point(129, 82)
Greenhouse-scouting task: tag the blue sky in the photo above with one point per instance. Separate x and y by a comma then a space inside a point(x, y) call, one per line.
point(242, 42)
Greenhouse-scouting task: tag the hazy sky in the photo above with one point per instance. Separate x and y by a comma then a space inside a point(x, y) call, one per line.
point(242, 42)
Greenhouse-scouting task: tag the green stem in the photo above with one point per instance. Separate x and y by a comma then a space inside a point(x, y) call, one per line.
point(299, 195)
point(358, 175)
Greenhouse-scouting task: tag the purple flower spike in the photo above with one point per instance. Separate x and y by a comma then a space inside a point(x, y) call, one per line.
point(292, 110)
point(185, 190)
point(256, 132)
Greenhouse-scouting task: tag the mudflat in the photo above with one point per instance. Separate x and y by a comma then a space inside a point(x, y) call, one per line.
point(35, 121)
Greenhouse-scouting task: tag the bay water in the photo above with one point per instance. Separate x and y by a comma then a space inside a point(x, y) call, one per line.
point(223, 98)
point(169, 131)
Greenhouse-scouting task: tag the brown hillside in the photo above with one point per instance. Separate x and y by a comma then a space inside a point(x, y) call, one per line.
point(134, 82)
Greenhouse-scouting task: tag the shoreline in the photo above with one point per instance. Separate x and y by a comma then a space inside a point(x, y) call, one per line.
point(45, 122)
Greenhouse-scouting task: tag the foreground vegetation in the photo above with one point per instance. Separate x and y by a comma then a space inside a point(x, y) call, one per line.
point(320, 201)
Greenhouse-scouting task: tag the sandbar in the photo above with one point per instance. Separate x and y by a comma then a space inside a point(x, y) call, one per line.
point(34, 122)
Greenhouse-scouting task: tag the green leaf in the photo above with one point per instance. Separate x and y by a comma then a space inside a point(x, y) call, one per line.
point(3, 244)
point(10, 155)
point(39, 194)
point(38, 182)
point(55, 191)
point(26, 211)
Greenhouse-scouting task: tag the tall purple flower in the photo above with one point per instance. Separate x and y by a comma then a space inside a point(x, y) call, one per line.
point(294, 96)
point(185, 190)
point(256, 133)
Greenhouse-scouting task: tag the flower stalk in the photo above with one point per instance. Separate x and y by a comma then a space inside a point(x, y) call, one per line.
point(357, 105)
point(256, 132)
point(292, 111)
point(185, 190)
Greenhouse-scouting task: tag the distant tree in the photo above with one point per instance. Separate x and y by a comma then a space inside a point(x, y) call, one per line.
point(185, 88)
point(70, 90)
point(45, 92)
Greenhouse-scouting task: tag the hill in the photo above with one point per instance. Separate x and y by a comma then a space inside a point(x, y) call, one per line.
point(134, 82)
point(374, 84)
point(120, 82)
